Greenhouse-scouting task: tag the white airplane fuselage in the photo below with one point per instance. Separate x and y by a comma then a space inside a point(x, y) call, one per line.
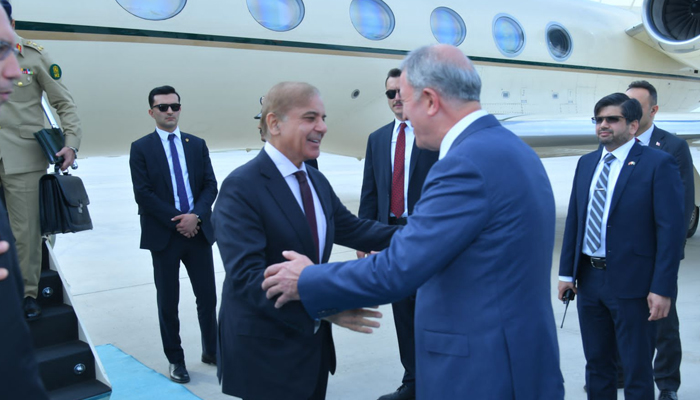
point(221, 60)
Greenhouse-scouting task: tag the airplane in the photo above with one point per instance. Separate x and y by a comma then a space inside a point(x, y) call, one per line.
point(543, 63)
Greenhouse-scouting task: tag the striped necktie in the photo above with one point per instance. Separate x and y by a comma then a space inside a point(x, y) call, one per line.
point(595, 215)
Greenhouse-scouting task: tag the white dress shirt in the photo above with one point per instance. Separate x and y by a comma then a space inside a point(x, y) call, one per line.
point(287, 169)
point(615, 167)
point(645, 137)
point(458, 128)
point(410, 138)
point(183, 165)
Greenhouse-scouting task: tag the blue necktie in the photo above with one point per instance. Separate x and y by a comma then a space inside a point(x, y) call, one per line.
point(181, 192)
point(595, 216)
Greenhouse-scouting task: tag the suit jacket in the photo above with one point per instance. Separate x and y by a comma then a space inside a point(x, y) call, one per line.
point(376, 183)
point(644, 233)
point(153, 188)
point(478, 248)
point(19, 372)
point(678, 148)
point(266, 353)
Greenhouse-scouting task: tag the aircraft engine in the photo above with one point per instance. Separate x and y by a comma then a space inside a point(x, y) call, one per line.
point(674, 25)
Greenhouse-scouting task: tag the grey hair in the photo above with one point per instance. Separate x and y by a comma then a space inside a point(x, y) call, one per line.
point(425, 68)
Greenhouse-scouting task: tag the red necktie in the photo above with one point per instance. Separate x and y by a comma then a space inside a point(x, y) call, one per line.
point(308, 201)
point(397, 205)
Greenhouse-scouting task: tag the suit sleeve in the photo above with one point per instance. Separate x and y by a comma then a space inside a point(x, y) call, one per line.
point(685, 165)
point(670, 235)
point(242, 240)
point(571, 228)
point(60, 98)
point(368, 198)
point(207, 195)
point(417, 252)
point(145, 197)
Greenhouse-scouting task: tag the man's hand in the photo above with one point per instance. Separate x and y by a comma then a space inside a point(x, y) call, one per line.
point(4, 246)
point(282, 278)
point(187, 225)
point(361, 254)
point(658, 306)
point(68, 157)
point(564, 286)
point(356, 320)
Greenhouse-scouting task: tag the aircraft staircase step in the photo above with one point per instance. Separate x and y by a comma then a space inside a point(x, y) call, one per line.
point(57, 324)
point(92, 390)
point(50, 288)
point(65, 364)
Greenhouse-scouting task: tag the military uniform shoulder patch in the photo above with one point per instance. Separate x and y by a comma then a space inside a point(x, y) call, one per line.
point(34, 45)
point(55, 71)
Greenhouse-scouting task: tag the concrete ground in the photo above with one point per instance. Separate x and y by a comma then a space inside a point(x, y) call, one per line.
point(112, 283)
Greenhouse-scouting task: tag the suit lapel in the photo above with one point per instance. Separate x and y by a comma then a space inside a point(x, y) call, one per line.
point(280, 192)
point(587, 169)
point(384, 155)
point(657, 136)
point(189, 159)
point(323, 191)
point(161, 159)
point(625, 172)
point(415, 153)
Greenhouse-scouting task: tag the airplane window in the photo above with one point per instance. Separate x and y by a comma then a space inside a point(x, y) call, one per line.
point(447, 26)
point(559, 42)
point(155, 10)
point(373, 19)
point(509, 35)
point(277, 15)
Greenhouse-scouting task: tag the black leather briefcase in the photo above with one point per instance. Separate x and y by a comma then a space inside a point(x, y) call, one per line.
point(51, 141)
point(63, 204)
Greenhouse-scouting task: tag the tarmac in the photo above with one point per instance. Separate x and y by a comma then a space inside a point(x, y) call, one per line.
point(111, 280)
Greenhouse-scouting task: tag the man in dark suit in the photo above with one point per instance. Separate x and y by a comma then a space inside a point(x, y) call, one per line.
point(478, 248)
point(667, 363)
point(272, 204)
point(175, 187)
point(621, 249)
point(389, 193)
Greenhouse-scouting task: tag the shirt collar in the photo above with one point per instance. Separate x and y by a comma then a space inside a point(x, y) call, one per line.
point(458, 128)
point(283, 164)
point(164, 134)
point(645, 137)
point(397, 124)
point(621, 152)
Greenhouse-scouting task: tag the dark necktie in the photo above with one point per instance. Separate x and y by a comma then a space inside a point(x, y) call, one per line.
point(177, 169)
point(397, 200)
point(308, 200)
point(595, 216)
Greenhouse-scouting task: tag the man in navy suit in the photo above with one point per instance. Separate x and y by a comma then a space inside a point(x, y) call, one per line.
point(478, 248)
point(667, 363)
point(621, 249)
point(175, 187)
point(275, 203)
point(389, 193)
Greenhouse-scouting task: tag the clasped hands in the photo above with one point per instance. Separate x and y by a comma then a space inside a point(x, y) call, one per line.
point(659, 306)
point(282, 279)
point(188, 225)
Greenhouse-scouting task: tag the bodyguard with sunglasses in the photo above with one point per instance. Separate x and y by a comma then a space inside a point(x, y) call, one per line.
point(22, 162)
point(395, 169)
point(622, 246)
point(175, 187)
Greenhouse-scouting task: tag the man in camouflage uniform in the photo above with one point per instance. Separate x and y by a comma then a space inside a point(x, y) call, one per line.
point(22, 162)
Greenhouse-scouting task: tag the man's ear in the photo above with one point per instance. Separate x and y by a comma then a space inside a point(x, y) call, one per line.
point(272, 124)
point(150, 112)
point(432, 101)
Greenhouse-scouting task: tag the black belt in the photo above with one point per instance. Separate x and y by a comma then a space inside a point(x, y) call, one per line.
point(397, 221)
point(596, 262)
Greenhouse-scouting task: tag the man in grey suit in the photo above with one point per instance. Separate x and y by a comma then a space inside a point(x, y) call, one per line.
point(668, 342)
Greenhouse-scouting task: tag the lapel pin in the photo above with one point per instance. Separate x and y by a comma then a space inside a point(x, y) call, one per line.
point(187, 139)
point(658, 144)
point(631, 163)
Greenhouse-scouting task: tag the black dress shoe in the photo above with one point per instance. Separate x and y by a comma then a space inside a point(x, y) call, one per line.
point(402, 393)
point(178, 373)
point(31, 308)
point(207, 359)
point(668, 395)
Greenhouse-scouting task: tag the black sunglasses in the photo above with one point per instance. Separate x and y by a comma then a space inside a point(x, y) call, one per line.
point(391, 93)
point(6, 48)
point(610, 119)
point(164, 107)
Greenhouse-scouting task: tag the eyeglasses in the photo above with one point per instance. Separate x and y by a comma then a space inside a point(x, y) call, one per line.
point(6, 48)
point(612, 119)
point(391, 93)
point(164, 107)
